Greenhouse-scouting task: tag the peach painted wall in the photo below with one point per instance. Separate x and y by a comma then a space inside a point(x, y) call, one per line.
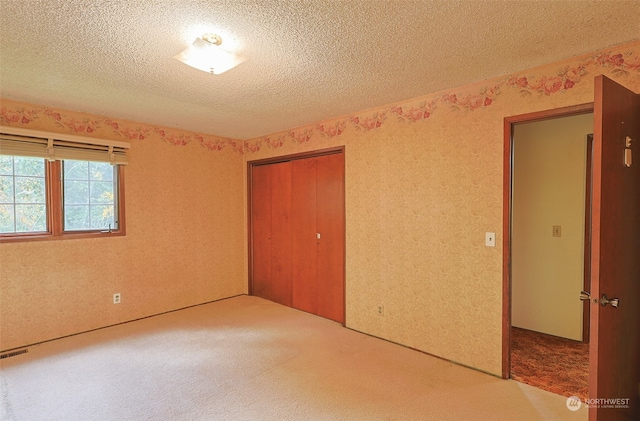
point(183, 246)
point(423, 185)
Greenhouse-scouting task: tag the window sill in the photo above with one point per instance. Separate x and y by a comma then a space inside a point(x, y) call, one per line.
point(65, 236)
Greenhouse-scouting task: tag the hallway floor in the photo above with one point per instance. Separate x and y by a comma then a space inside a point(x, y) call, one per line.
point(556, 364)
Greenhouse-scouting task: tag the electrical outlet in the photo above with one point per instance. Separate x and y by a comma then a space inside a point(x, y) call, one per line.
point(380, 309)
point(117, 299)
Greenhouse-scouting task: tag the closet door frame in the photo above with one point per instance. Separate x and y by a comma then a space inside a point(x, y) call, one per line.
point(285, 158)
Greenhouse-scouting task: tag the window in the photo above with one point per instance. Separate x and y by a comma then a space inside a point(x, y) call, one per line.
point(23, 196)
point(60, 195)
point(89, 196)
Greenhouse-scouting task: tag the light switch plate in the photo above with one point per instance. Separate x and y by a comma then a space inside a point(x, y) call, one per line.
point(490, 239)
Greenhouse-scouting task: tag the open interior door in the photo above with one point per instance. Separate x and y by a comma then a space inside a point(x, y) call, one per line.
point(614, 352)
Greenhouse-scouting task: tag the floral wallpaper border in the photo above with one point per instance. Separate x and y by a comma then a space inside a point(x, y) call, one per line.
point(89, 125)
point(618, 65)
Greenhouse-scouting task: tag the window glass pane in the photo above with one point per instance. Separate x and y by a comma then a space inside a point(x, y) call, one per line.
point(89, 196)
point(30, 190)
point(76, 170)
point(76, 192)
point(101, 171)
point(76, 218)
point(23, 195)
point(6, 165)
point(6, 189)
point(29, 166)
point(102, 217)
point(31, 218)
point(7, 219)
point(101, 192)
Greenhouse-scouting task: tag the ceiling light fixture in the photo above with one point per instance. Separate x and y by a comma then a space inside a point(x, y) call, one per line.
point(206, 54)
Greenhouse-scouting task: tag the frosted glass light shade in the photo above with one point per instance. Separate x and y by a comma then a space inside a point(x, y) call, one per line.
point(208, 57)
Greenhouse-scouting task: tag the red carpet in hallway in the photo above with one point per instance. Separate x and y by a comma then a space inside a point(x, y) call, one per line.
point(549, 362)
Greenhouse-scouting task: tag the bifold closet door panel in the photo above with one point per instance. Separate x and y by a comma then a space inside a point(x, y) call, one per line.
point(281, 232)
point(261, 230)
point(271, 232)
point(331, 226)
point(304, 234)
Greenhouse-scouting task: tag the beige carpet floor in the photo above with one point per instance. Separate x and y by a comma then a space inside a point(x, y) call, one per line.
point(246, 358)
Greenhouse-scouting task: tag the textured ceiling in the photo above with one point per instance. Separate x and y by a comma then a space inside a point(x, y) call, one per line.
point(308, 60)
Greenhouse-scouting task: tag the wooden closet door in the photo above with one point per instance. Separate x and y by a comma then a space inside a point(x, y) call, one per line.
point(304, 235)
point(292, 202)
point(281, 232)
point(261, 230)
point(271, 232)
point(330, 224)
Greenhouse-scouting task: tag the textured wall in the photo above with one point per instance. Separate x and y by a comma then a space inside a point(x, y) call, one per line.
point(183, 196)
point(423, 185)
point(549, 189)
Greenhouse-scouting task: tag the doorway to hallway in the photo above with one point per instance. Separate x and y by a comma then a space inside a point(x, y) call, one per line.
point(549, 236)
